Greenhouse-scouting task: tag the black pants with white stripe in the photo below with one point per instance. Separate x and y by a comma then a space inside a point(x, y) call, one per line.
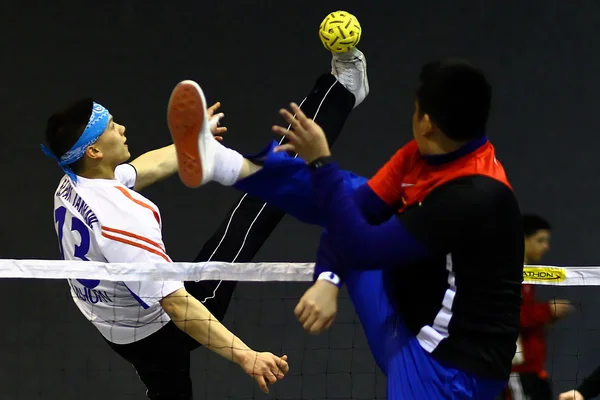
point(162, 360)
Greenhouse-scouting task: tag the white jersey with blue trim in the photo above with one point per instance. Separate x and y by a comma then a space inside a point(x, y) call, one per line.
point(105, 220)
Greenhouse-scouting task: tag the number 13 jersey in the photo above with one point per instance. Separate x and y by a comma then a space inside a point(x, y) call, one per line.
point(105, 220)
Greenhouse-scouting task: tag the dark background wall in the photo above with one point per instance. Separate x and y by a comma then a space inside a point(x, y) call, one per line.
point(540, 55)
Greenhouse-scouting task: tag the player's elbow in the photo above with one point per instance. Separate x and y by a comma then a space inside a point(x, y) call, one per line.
point(176, 303)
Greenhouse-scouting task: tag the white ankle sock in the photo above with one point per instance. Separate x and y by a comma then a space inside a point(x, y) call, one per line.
point(227, 165)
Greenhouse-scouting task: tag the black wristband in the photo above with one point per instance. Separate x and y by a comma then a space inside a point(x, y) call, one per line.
point(320, 162)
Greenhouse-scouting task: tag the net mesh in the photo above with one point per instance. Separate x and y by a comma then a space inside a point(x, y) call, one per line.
point(334, 365)
point(51, 352)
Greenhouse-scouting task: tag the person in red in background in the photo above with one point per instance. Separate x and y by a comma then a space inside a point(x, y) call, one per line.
point(529, 380)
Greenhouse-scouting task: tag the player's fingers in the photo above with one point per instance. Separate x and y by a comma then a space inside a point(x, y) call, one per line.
point(216, 119)
point(311, 126)
point(275, 370)
point(306, 313)
point(285, 147)
point(221, 130)
point(261, 383)
point(322, 325)
point(289, 118)
point(306, 123)
point(300, 116)
point(317, 326)
point(290, 134)
point(278, 374)
point(219, 138)
point(214, 122)
point(299, 308)
point(310, 321)
point(270, 376)
point(283, 365)
point(266, 365)
point(275, 365)
point(214, 107)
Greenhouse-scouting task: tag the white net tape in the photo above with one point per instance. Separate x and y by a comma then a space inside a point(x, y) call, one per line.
point(178, 271)
point(249, 272)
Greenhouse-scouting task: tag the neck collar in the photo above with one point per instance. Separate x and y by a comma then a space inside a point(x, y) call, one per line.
point(439, 159)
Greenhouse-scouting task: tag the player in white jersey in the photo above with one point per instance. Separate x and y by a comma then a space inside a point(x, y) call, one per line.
point(104, 219)
point(99, 216)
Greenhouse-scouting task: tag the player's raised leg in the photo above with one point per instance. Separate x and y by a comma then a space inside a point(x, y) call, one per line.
point(283, 178)
point(251, 219)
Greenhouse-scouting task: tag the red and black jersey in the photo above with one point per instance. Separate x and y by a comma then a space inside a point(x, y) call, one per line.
point(463, 302)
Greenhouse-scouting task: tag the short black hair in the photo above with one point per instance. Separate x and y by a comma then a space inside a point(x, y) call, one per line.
point(456, 96)
point(534, 223)
point(65, 127)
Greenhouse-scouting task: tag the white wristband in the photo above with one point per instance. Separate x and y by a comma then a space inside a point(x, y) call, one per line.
point(330, 277)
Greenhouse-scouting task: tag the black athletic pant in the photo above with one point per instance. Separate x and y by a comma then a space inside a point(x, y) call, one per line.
point(162, 360)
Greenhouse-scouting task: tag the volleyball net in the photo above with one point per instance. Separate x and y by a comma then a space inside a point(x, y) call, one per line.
point(50, 351)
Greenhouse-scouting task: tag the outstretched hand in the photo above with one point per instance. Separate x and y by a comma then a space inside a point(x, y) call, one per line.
point(305, 136)
point(214, 121)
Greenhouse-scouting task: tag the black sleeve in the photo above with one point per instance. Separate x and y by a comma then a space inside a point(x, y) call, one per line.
point(590, 387)
point(452, 211)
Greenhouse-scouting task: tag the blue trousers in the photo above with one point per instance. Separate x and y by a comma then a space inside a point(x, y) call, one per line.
point(412, 373)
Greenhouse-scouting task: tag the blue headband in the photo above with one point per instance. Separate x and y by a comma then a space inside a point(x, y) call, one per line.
point(95, 127)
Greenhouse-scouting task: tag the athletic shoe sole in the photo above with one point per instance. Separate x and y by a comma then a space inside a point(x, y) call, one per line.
point(186, 117)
